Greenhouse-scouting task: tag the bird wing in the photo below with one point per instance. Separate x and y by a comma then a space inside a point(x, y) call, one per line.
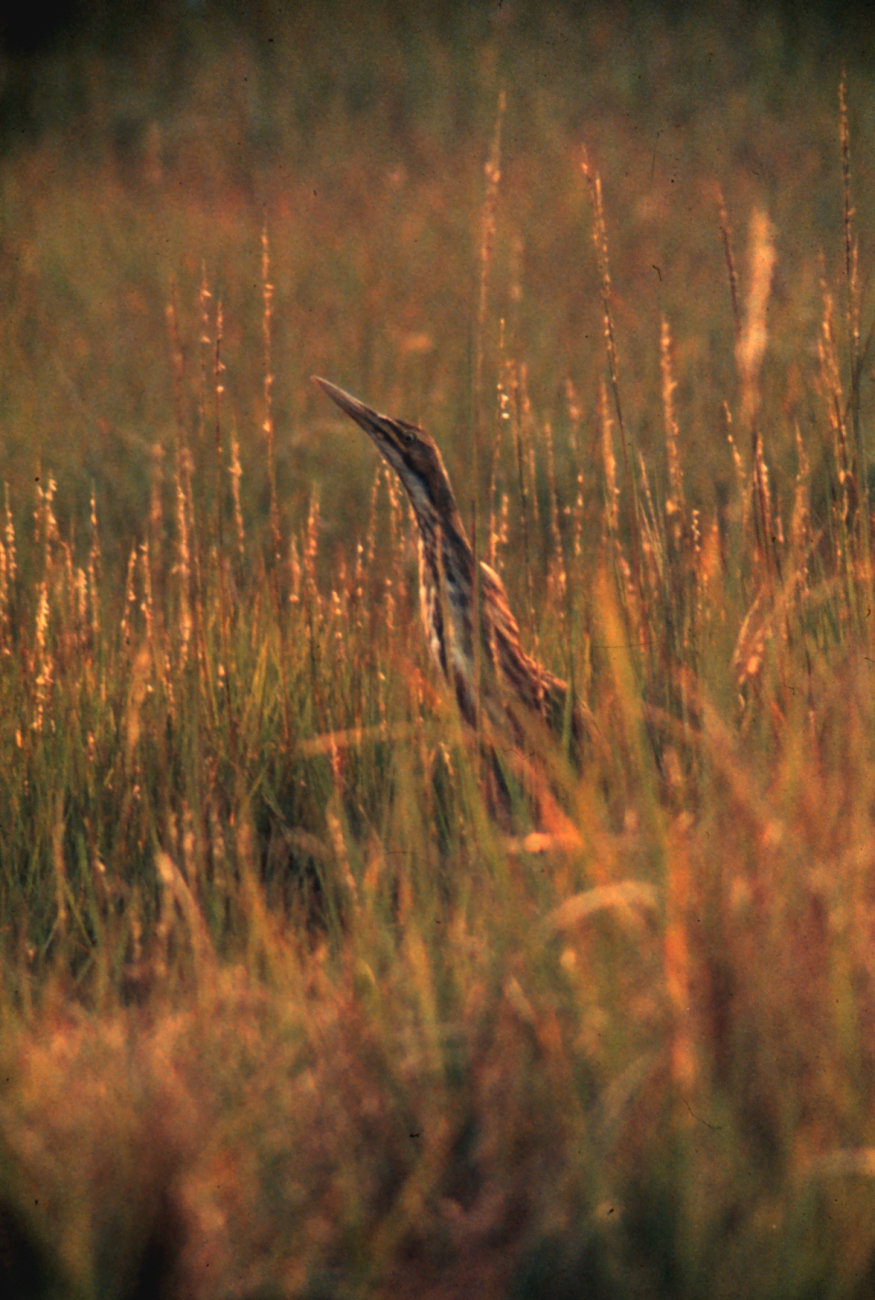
point(495, 599)
point(503, 630)
point(541, 689)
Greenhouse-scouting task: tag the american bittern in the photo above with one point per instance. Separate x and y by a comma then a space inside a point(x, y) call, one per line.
point(513, 688)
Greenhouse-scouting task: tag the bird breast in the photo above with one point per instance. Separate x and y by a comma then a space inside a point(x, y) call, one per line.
point(447, 624)
point(430, 610)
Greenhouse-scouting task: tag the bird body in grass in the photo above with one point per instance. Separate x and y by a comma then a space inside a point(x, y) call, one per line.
point(514, 689)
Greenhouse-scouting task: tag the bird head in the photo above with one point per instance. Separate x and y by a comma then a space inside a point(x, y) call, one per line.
point(411, 452)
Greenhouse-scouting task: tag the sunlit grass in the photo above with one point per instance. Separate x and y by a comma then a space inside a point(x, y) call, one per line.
point(285, 1011)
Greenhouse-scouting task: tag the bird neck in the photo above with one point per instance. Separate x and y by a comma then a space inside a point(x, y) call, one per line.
point(448, 534)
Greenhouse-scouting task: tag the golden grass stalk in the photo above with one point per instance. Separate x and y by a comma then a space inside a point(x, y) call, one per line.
point(182, 463)
point(502, 539)
point(9, 532)
point(218, 390)
point(389, 604)
point(339, 615)
point(800, 523)
point(574, 417)
point(371, 535)
point(492, 172)
point(335, 832)
point(572, 402)
point(70, 595)
point(696, 536)
point(358, 576)
point(502, 417)
point(652, 546)
point(156, 505)
point(857, 356)
point(176, 894)
point(139, 686)
point(612, 490)
point(831, 385)
point(674, 501)
point(515, 286)
point(577, 522)
point(4, 593)
point(753, 337)
point(267, 425)
point(741, 475)
point(749, 352)
point(43, 659)
point(295, 571)
point(600, 240)
point(81, 606)
point(519, 408)
point(7, 568)
point(514, 391)
point(59, 865)
point(709, 570)
point(558, 575)
point(146, 607)
point(357, 737)
point(130, 599)
point(38, 504)
point(224, 615)
point(183, 569)
point(851, 243)
point(312, 594)
point(236, 473)
point(526, 425)
point(188, 839)
point(763, 619)
point(49, 524)
point(487, 237)
point(622, 896)
point(677, 958)
point(182, 485)
point(204, 297)
point(764, 502)
point(94, 571)
point(726, 235)
point(311, 546)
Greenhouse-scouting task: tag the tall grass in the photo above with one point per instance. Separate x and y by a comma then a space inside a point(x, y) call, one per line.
point(284, 1011)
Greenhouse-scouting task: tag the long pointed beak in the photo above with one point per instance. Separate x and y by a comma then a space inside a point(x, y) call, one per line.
point(363, 415)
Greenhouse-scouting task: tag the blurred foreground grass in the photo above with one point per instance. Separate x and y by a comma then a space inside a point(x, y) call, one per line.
point(284, 1012)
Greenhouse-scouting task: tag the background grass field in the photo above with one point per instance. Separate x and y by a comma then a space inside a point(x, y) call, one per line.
point(284, 1013)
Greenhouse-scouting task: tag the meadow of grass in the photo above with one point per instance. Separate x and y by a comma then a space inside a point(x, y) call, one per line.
point(284, 1012)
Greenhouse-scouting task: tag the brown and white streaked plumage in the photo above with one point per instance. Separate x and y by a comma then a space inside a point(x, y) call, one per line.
point(513, 685)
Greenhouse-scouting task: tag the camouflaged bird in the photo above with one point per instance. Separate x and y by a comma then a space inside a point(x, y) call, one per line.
point(514, 688)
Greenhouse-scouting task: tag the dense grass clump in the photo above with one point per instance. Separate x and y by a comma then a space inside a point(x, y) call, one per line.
point(285, 1011)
